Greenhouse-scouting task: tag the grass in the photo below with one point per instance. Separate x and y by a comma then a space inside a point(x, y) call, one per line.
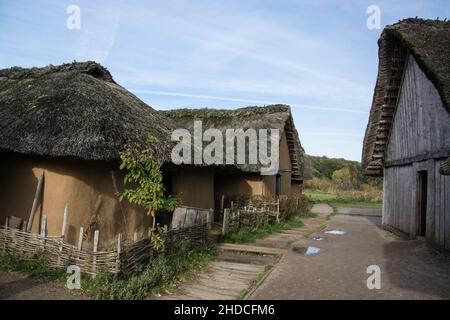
point(342, 200)
point(32, 264)
point(247, 235)
point(256, 282)
point(161, 275)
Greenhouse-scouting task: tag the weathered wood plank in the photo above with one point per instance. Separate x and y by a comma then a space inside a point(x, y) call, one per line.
point(36, 201)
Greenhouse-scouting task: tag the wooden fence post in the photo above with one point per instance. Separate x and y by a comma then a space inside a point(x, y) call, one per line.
point(63, 233)
point(210, 219)
point(43, 230)
point(94, 266)
point(119, 250)
point(278, 209)
point(226, 214)
point(44, 226)
point(6, 234)
point(80, 239)
point(64, 224)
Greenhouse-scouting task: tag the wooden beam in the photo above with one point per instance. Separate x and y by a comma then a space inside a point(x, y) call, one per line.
point(425, 156)
point(36, 200)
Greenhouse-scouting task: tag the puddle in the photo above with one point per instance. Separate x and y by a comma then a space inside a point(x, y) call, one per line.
point(307, 251)
point(335, 232)
point(318, 239)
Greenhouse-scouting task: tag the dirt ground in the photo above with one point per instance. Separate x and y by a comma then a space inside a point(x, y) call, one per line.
point(15, 286)
point(409, 269)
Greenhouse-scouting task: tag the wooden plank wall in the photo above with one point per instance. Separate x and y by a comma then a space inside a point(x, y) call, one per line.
point(399, 206)
point(398, 197)
point(421, 123)
point(419, 139)
point(441, 226)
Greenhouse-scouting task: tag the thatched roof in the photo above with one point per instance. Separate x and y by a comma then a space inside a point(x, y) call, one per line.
point(429, 42)
point(72, 110)
point(268, 117)
point(445, 167)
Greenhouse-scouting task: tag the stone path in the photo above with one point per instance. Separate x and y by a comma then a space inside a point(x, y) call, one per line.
point(239, 266)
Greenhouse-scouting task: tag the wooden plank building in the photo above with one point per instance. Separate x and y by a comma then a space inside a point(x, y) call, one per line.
point(408, 135)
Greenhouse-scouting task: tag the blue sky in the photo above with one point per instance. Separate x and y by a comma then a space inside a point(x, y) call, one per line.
point(318, 56)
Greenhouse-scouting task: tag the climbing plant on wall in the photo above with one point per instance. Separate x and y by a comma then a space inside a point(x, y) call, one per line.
point(143, 173)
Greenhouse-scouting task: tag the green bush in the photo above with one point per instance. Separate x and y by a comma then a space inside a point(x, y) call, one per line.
point(31, 263)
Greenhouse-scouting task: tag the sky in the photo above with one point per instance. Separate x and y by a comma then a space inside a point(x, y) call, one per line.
point(320, 57)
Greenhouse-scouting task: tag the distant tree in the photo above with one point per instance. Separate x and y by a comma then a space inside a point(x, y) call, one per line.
point(345, 178)
point(324, 168)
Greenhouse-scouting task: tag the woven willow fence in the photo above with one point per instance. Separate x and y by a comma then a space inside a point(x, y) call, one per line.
point(237, 219)
point(127, 257)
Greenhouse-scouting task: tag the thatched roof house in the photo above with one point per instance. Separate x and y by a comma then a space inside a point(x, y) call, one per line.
point(408, 134)
point(247, 180)
point(73, 110)
point(70, 122)
point(428, 42)
point(271, 116)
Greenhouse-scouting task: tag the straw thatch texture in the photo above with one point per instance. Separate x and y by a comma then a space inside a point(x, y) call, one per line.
point(72, 110)
point(445, 167)
point(429, 42)
point(268, 117)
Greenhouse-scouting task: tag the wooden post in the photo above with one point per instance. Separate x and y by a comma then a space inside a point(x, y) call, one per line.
point(210, 219)
point(37, 197)
point(63, 233)
point(64, 224)
point(119, 250)
point(44, 226)
point(80, 239)
point(222, 200)
point(226, 214)
point(6, 234)
point(43, 230)
point(95, 249)
point(278, 209)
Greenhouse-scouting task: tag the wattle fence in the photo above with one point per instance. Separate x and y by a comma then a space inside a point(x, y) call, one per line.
point(128, 255)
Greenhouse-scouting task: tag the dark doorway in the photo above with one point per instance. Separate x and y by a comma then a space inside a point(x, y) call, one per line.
point(278, 185)
point(422, 189)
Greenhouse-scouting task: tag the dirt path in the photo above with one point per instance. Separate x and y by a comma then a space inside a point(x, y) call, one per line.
point(409, 269)
point(15, 286)
point(239, 266)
